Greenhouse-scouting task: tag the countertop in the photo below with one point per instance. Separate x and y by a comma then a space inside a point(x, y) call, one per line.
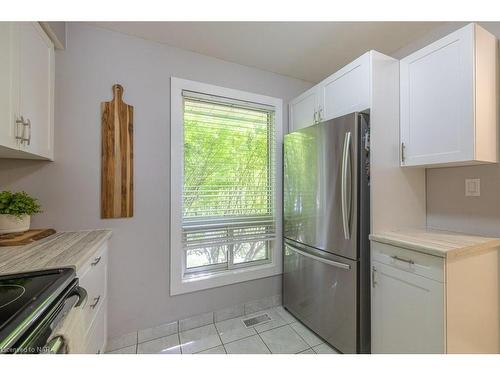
point(443, 244)
point(63, 249)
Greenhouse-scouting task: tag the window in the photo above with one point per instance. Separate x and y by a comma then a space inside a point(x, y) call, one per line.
point(226, 202)
point(228, 193)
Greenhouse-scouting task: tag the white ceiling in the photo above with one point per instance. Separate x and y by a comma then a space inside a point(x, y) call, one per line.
point(305, 50)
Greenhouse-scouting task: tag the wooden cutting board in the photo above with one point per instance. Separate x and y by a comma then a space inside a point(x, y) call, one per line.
point(24, 238)
point(117, 188)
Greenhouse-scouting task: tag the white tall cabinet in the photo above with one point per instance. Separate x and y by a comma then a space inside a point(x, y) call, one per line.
point(449, 101)
point(27, 92)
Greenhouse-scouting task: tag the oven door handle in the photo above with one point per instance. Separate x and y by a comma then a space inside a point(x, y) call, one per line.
point(56, 346)
point(82, 296)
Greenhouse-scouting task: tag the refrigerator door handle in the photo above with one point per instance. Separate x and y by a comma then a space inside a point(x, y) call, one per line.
point(346, 190)
point(319, 259)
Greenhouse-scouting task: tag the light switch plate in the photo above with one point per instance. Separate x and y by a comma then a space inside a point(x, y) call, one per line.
point(472, 187)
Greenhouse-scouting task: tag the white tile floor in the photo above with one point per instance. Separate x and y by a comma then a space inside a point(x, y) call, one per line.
point(282, 335)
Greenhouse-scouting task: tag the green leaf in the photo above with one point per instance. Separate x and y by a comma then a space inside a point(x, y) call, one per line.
point(18, 204)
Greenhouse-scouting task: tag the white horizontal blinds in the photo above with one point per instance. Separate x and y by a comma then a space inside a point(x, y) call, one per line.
point(229, 173)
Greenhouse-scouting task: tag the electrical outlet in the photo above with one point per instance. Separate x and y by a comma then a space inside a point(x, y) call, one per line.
point(472, 187)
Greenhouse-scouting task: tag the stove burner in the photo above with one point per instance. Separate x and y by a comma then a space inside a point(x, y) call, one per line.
point(10, 293)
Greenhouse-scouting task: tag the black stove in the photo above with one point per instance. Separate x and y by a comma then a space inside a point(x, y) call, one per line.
point(31, 306)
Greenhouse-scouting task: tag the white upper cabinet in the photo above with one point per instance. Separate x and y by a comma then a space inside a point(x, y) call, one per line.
point(27, 97)
point(304, 110)
point(9, 103)
point(36, 88)
point(449, 101)
point(344, 92)
point(347, 90)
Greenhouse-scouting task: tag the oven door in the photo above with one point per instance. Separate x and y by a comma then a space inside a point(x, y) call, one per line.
point(319, 288)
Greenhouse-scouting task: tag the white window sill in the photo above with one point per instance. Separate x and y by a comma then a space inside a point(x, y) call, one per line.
point(217, 279)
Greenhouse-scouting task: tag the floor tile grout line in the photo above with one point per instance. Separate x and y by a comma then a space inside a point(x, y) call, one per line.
point(212, 347)
point(160, 337)
point(241, 338)
point(302, 337)
point(289, 324)
point(218, 334)
point(261, 339)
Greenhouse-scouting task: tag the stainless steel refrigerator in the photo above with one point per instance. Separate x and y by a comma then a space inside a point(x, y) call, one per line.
point(326, 225)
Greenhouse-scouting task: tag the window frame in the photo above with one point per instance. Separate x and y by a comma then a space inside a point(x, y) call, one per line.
point(180, 281)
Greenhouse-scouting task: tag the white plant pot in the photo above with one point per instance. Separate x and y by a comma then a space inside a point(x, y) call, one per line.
point(14, 224)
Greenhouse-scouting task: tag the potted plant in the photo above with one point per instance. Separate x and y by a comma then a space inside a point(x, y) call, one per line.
point(16, 210)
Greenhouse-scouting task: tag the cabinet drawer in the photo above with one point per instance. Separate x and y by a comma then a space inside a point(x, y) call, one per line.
point(94, 281)
point(425, 265)
point(96, 338)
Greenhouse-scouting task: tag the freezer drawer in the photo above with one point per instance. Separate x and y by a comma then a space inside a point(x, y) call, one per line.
point(320, 289)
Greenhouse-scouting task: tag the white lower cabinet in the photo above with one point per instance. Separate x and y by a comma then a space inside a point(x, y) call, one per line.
point(424, 304)
point(408, 295)
point(93, 278)
point(96, 337)
point(407, 312)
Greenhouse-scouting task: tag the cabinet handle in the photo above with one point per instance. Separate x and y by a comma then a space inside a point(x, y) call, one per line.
point(27, 125)
point(320, 118)
point(409, 261)
point(19, 134)
point(373, 276)
point(96, 302)
point(96, 260)
point(314, 117)
point(403, 149)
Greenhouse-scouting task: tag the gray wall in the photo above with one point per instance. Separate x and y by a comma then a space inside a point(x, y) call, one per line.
point(447, 205)
point(68, 188)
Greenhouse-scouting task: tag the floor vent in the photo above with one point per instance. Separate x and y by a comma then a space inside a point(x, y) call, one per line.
point(250, 322)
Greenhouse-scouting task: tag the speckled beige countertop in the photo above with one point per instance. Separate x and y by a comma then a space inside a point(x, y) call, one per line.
point(435, 242)
point(63, 249)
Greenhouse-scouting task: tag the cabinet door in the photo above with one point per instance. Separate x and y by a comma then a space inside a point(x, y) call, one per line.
point(437, 115)
point(9, 98)
point(407, 312)
point(346, 91)
point(303, 110)
point(96, 337)
point(36, 86)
